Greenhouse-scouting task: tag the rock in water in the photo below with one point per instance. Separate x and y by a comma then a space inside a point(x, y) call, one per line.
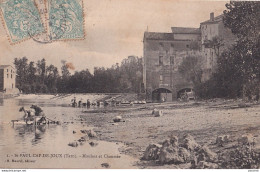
point(83, 131)
point(73, 144)
point(82, 139)
point(157, 113)
point(117, 119)
point(91, 133)
point(92, 144)
point(152, 152)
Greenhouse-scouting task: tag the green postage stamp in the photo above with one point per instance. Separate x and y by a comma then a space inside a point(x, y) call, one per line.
point(43, 20)
point(66, 19)
point(21, 18)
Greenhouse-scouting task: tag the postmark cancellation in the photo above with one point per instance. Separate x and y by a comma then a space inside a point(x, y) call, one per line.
point(43, 20)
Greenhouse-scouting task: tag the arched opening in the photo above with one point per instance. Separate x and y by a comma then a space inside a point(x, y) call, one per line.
point(186, 93)
point(161, 95)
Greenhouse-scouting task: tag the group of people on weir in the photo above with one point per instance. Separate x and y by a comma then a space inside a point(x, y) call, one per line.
point(112, 101)
point(80, 103)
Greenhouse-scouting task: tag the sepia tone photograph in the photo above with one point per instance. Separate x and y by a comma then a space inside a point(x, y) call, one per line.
point(129, 84)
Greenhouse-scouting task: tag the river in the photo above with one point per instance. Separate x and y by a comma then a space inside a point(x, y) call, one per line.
point(24, 146)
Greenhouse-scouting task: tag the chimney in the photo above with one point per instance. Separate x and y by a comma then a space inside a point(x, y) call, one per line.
point(212, 16)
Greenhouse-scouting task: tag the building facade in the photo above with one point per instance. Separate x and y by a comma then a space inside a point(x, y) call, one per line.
point(164, 52)
point(215, 38)
point(7, 78)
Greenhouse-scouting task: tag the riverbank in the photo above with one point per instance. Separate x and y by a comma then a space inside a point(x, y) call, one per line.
point(205, 121)
point(8, 95)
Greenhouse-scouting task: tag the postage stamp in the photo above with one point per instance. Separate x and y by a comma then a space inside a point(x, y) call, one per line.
point(21, 19)
point(66, 19)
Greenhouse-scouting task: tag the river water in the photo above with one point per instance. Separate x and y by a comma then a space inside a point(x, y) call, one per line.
point(24, 146)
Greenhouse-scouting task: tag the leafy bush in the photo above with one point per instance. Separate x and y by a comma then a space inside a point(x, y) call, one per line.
point(243, 156)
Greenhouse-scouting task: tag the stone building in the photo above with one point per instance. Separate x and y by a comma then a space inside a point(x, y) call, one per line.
point(215, 38)
point(164, 52)
point(7, 79)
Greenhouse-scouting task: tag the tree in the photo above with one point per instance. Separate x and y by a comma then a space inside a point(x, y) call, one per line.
point(21, 66)
point(242, 17)
point(126, 77)
point(52, 76)
point(41, 69)
point(216, 43)
point(81, 82)
point(131, 70)
point(65, 73)
point(191, 69)
point(31, 73)
point(62, 83)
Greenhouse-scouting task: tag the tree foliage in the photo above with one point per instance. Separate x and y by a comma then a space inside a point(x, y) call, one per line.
point(191, 69)
point(41, 78)
point(243, 18)
point(238, 72)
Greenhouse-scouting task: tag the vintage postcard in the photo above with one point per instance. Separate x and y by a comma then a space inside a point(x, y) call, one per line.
point(129, 84)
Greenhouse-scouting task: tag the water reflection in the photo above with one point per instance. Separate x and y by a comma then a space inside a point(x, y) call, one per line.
point(36, 133)
point(24, 136)
point(1, 102)
point(39, 133)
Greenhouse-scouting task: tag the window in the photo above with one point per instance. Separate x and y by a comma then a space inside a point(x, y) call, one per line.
point(172, 60)
point(12, 85)
point(160, 60)
point(172, 45)
point(11, 71)
point(6, 70)
point(7, 75)
point(187, 46)
point(11, 75)
point(161, 79)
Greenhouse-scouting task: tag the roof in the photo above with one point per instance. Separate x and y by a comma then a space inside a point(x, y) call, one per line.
point(5, 66)
point(185, 30)
point(158, 36)
point(216, 19)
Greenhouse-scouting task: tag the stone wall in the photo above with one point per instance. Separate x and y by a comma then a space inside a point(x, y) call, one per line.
point(165, 74)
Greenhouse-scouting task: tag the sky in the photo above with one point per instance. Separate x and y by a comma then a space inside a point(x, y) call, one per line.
point(114, 31)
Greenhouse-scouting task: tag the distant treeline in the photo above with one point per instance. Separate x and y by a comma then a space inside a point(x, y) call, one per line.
point(37, 77)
